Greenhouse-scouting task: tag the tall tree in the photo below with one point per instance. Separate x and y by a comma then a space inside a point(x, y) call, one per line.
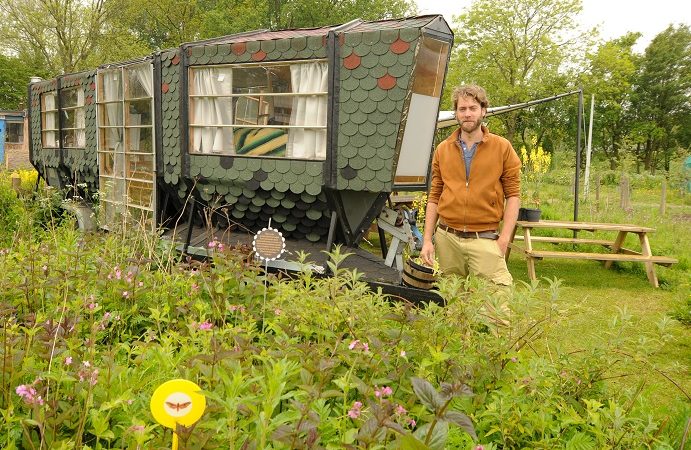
point(61, 33)
point(516, 50)
point(612, 68)
point(661, 100)
point(14, 78)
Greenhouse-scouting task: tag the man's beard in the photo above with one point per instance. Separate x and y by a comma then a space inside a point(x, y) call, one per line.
point(469, 127)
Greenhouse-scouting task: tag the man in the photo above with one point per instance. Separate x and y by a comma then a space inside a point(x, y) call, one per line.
point(475, 185)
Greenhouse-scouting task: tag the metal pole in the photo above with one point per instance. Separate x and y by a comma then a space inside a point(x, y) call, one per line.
point(589, 147)
point(578, 157)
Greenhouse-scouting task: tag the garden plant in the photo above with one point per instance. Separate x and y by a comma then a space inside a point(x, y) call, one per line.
point(93, 323)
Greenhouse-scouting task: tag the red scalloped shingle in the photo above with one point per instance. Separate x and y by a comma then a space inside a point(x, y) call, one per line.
point(386, 82)
point(238, 48)
point(176, 60)
point(351, 61)
point(399, 46)
point(165, 87)
point(259, 56)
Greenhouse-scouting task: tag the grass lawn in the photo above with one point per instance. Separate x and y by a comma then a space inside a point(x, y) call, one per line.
point(596, 296)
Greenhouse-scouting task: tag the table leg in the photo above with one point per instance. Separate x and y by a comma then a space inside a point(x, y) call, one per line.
point(530, 261)
point(649, 265)
point(618, 242)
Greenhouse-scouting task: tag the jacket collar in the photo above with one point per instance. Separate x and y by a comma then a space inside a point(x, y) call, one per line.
point(454, 137)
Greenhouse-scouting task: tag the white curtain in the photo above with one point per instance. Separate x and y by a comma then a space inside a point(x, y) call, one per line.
point(145, 76)
point(80, 122)
point(112, 93)
point(308, 110)
point(210, 112)
point(51, 138)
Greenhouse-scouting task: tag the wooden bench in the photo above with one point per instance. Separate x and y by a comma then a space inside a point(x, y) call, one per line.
point(618, 253)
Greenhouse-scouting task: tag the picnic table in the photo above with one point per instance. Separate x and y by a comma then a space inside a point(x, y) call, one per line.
point(616, 253)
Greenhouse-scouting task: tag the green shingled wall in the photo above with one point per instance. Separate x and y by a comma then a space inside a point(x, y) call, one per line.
point(375, 71)
point(247, 190)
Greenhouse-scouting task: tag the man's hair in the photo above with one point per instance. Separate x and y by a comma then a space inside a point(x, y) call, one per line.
point(472, 91)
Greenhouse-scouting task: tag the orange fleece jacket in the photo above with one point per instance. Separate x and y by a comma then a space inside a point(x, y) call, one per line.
point(475, 204)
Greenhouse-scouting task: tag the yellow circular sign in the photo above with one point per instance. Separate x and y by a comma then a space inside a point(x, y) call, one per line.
point(177, 401)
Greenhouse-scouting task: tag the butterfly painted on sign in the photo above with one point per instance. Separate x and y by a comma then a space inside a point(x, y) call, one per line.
point(178, 406)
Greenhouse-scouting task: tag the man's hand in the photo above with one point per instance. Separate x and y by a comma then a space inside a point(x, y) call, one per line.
point(427, 253)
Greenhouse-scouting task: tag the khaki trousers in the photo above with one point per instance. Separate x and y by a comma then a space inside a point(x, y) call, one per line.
point(479, 257)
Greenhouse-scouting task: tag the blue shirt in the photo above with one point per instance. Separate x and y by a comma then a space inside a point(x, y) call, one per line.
point(467, 156)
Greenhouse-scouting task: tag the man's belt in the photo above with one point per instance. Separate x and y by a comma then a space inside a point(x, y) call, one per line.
point(470, 234)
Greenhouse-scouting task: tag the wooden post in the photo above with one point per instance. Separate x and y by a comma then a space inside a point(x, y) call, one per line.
point(625, 198)
point(663, 199)
point(16, 182)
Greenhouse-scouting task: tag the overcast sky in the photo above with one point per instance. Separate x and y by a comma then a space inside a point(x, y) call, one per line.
point(615, 17)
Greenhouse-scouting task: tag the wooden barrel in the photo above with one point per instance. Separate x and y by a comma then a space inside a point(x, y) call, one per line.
point(417, 276)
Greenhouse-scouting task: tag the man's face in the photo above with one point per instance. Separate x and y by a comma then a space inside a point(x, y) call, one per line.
point(469, 114)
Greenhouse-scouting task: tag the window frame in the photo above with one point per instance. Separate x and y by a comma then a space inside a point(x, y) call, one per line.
point(55, 113)
point(263, 105)
point(75, 109)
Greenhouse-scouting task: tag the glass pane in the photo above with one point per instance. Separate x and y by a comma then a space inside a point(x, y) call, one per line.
point(69, 118)
point(109, 86)
point(111, 189)
point(15, 132)
point(141, 217)
point(111, 114)
point(140, 167)
point(69, 138)
point(140, 193)
point(106, 163)
point(50, 139)
point(110, 139)
point(139, 81)
point(429, 67)
point(68, 98)
point(139, 140)
point(138, 112)
point(48, 101)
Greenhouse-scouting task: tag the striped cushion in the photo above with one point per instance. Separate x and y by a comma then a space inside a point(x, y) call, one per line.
point(260, 141)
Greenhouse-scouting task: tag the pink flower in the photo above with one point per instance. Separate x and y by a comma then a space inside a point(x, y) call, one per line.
point(137, 428)
point(355, 411)
point(206, 325)
point(479, 447)
point(354, 344)
point(93, 306)
point(195, 287)
point(212, 244)
point(277, 311)
point(386, 391)
point(400, 410)
point(68, 360)
point(125, 294)
point(106, 316)
point(412, 422)
point(365, 347)
point(140, 284)
point(403, 353)
point(28, 394)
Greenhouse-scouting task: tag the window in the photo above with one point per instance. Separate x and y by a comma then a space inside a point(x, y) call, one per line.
point(73, 120)
point(49, 120)
point(420, 121)
point(262, 109)
point(14, 132)
point(127, 169)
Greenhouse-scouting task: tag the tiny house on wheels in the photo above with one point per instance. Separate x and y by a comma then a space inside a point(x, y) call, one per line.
point(310, 129)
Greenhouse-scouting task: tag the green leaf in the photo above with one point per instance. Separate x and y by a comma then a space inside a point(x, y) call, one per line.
point(440, 434)
point(427, 394)
point(410, 442)
point(461, 420)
